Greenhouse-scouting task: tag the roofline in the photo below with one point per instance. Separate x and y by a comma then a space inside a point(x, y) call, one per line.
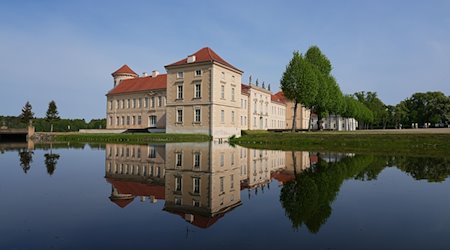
point(147, 90)
point(204, 62)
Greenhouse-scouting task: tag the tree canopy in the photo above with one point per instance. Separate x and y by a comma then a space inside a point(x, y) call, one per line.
point(27, 113)
point(52, 112)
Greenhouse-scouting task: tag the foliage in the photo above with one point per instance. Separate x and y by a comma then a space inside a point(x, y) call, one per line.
point(50, 162)
point(307, 199)
point(60, 125)
point(52, 112)
point(27, 113)
point(376, 106)
point(26, 158)
point(299, 83)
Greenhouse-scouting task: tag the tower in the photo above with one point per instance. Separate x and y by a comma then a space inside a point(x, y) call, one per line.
point(123, 73)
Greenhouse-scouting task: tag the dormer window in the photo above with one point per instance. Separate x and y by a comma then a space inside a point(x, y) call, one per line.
point(198, 72)
point(180, 75)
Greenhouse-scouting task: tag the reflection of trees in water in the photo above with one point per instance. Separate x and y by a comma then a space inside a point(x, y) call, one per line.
point(424, 168)
point(26, 158)
point(50, 162)
point(307, 199)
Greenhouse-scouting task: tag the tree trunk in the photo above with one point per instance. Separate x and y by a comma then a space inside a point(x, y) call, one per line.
point(294, 125)
point(310, 120)
point(319, 121)
point(294, 160)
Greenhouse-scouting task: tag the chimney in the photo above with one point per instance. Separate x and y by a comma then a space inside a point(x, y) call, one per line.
point(191, 59)
point(144, 74)
point(155, 73)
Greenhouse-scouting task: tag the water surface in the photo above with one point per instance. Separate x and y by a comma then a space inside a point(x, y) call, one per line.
point(214, 196)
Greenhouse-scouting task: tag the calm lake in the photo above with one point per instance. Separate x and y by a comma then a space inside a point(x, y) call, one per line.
point(214, 196)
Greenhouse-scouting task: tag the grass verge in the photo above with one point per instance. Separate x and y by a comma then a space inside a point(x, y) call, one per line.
point(138, 138)
point(392, 143)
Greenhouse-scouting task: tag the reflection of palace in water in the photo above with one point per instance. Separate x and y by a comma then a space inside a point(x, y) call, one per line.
point(198, 181)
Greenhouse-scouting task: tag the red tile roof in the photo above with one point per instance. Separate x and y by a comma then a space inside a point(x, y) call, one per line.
point(122, 202)
point(124, 70)
point(140, 84)
point(283, 176)
point(244, 89)
point(199, 220)
point(279, 97)
point(138, 189)
point(204, 55)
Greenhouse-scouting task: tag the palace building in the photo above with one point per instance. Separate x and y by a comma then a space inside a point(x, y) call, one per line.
point(203, 94)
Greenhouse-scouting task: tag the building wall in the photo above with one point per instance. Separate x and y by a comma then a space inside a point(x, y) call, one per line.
point(219, 106)
point(133, 110)
point(302, 118)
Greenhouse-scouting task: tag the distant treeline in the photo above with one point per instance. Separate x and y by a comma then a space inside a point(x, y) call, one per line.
point(60, 125)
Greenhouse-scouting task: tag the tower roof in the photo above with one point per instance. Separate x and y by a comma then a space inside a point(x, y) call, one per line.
point(124, 70)
point(138, 84)
point(205, 54)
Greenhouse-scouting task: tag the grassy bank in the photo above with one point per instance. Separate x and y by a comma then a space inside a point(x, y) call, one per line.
point(421, 144)
point(138, 138)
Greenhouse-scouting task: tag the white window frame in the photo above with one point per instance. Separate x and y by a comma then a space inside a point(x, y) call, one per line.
point(180, 75)
point(178, 159)
point(180, 91)
point(196, 72)
point(198, 92)
point(178, 120)
point(199, 115)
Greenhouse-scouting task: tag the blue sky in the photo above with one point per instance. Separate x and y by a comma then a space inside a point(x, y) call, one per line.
point(66, 50)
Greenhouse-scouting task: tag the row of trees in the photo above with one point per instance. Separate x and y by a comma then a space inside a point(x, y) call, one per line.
point(51, 122)
point(307, 80)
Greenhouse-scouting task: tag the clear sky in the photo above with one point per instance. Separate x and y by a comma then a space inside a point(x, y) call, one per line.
point(66, 50)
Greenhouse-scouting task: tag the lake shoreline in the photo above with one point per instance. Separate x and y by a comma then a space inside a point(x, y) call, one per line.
point(403, 142)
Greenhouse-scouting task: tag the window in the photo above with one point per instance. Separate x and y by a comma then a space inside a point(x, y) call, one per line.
point(179, 116)
point(222, 116)
point(198, 72)
point(146, 102)
point(117, 104)
point(232, 159)
point(110, 121)
point(128, 120)
point(178, 182)
point(133, 120)
point(152, 152)
point(196, 203)
point(196, 160)
point(232, 117)
point(232, 78)
point(196, 185)
point(178, 201)
point(128, 103)
point(178, 159)
point(134, 103)
point(117, 121)
point(139, 120)
point(198, 90)
point(223, 75)
point(180, 92)
point(159, 101)
point(221, 184)
point(222, 159)
point(139, 103)
point(197, 115)
point(110, 105)
point(123, 120)
point(180, 75)
point(232, 181)
point(152, 121)
point(232, 94)
point(152, 104)
point(222, 91)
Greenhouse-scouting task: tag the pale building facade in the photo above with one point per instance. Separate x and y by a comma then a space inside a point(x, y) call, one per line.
point(202, 94)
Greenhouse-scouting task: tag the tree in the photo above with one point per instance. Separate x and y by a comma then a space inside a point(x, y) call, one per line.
point(50, 162)
point(378, 108)
point(52, 114)
point(299, 84)
point(27, 114)
point(26, 158)
point(322, 70)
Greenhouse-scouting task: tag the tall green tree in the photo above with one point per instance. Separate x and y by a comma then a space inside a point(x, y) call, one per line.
point(378, 108)
point(299, 84)
point(27, 114)
point(322, 70)
point(52, 114)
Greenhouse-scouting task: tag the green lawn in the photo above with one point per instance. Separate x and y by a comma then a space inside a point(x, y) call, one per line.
point(429, 144)
point(130, 138)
